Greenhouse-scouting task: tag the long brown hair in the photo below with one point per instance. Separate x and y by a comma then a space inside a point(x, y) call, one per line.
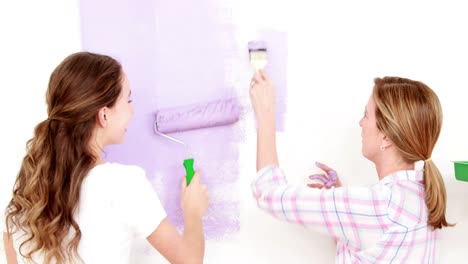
point(59, 156)
point(410, 114)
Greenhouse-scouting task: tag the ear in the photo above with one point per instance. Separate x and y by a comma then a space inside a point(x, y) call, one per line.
point(386, 142)
point(102, 117)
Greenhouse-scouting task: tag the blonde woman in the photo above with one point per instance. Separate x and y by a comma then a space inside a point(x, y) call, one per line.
point(393, 221)
point(71, 206)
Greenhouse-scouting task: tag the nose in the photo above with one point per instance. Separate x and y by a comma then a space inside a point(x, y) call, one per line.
point(360, 122)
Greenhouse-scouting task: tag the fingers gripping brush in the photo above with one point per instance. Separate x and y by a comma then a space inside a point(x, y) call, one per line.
point(196, 116)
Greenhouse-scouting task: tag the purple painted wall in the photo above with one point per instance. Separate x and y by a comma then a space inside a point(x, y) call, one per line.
point(173, 53)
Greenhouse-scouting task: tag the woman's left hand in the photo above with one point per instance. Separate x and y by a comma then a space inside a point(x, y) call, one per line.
point(329, 180)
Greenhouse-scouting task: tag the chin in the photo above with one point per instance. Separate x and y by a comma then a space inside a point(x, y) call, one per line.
point(364, 154)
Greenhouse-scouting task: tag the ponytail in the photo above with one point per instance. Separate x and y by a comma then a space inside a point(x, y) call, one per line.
point(436, 196)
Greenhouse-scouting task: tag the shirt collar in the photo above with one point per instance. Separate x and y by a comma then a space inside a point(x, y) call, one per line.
point(404, 175)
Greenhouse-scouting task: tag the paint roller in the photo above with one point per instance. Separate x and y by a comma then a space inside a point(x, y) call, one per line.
point(195, 116)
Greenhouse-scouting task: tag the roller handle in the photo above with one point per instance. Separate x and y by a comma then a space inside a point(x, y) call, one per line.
point(188, 164)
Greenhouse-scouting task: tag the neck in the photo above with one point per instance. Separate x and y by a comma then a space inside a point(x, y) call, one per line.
point(97, 153)
point(389, 163)
point(97, 148)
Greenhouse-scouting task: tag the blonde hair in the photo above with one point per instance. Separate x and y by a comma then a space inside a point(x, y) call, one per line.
point(59, 156)
point(410, 114)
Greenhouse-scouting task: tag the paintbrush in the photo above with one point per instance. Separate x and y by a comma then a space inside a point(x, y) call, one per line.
point(258, 54)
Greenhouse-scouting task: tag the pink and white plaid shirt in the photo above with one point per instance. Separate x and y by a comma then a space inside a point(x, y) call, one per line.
point(382, 223)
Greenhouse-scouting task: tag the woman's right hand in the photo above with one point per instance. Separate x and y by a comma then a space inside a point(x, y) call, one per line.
point(262, 96)
point(194, 198)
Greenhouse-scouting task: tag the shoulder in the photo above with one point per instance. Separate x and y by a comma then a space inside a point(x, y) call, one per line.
point(407, 205)
point(114, 177)
point(116, 171)
point(376, 191)
point(119, 168)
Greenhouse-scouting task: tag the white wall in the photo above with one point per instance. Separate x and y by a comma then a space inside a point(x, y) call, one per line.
point(336, 48)
point(35, 37)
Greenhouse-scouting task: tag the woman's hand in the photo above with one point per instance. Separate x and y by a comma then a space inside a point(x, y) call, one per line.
point(329, 179)
point(194, 198)
point(262, 95)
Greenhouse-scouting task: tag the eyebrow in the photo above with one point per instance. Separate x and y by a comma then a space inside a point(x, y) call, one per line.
point(129, 93)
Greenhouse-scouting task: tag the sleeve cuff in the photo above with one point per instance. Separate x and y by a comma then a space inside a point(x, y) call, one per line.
point(267, 177)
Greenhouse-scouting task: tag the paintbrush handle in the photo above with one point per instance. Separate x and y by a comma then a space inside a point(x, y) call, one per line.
point(188, 164)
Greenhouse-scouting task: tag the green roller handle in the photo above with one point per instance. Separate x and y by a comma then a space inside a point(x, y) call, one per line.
point(188, 164)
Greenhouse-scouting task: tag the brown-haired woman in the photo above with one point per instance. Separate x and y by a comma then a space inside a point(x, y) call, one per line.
point(394, 220)
point(68, 204)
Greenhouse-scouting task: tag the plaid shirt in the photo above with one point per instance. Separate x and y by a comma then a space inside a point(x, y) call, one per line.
point(384, 223)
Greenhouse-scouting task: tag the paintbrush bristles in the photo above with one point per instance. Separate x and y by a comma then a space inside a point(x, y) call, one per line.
point(258, 59)
point(258, 54)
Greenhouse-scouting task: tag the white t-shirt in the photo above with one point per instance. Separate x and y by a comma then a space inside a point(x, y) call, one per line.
point(117, 206)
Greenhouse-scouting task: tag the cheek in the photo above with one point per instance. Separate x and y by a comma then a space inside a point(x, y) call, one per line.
point(369, 138)
point(364, 129)
point(369, 133)
point(369, 129)
point(131, 110)
point(129, 115)
point(127, 112)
